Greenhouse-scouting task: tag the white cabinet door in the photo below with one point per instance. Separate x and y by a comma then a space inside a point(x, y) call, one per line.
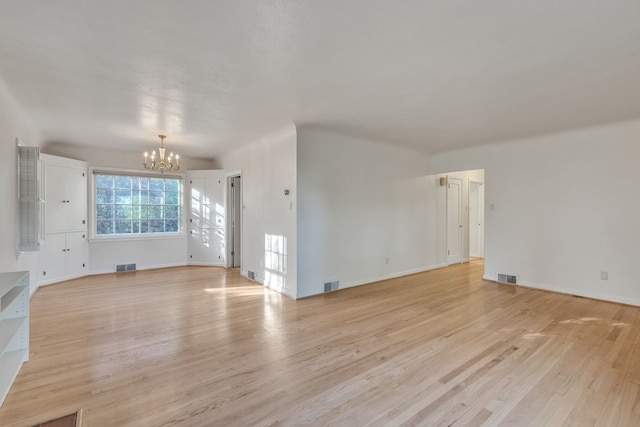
point(66, 199)
point(65, 256)
point(206, 213)
point(217, 244)
point(206, 246)
point(55, 255)
point(77, 250)
point(76, 184)
point(198, 203)
point(215, 194)
point(56, 198)
point(206, 205)
point(199, 248)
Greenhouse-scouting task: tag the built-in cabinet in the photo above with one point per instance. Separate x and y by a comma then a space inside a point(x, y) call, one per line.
point(206, 217)
point(66, 255)
point(14, 327)
point(65, 249)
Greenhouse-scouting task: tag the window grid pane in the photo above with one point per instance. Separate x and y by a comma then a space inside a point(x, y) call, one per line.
point(131, 205)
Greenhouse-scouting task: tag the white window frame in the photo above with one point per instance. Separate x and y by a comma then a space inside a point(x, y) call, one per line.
point(94, 237)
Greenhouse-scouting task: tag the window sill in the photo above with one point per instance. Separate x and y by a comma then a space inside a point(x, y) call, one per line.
point(125, 238)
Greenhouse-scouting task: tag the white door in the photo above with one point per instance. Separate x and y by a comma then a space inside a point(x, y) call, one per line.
point(235, 218)
point(77, 249)
point(54, 254)
point(56, 193)
point(66, 193)
point(476, 219)
point(199, 248)
point(454, 221)
point(215, 197)
point(199, 214)
point(76, 184)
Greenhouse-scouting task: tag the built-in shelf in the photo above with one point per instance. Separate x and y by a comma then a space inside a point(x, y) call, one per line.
point(9, 281)
point(10, 297)
point(14, 327)
point(9, 328)
point(12, 360)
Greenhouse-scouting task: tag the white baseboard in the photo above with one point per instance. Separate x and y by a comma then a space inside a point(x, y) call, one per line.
point(260, 280)
point(139, 267)
point(388, 276)
point(573, 292)
point(55, 280)
point(414, 271)
point(207, 264)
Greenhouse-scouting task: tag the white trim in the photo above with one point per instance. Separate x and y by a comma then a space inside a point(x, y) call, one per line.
point(415, 271)
point(206, 264)
point(390, 276)
point(139, 268)
point(129, 237)
point(137, 172)
point(59, 279)
point(260, 280)
point(370, 280)
point(91, 197)
point(571, 292)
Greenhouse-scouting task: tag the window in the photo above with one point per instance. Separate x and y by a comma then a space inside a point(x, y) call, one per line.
point(129, 205)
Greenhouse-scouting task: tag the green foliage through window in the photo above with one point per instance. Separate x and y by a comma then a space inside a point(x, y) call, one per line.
point(136, 205)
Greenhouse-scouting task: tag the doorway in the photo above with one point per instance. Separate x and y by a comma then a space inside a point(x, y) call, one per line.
point(234, 222)
point(454, 221)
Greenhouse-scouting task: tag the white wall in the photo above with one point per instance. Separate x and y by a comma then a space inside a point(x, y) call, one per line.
point(14, 123)
point(105, 157)
point(441, 205)
point(268, 168)
point(151, 253)
point(565, 208)
point(360, 203)
point(147, 254)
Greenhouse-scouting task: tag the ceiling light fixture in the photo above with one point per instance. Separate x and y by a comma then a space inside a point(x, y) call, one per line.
point(171, 163)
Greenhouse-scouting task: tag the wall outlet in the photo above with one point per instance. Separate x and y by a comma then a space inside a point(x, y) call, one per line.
point(386, 260)
point(604, 275)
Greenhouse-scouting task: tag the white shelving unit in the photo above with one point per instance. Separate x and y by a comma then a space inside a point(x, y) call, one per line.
point(14, 327)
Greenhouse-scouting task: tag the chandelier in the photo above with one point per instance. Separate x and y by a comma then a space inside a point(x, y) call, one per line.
point(170, 163)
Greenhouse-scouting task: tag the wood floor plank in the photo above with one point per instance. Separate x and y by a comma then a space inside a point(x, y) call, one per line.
point(201, 346)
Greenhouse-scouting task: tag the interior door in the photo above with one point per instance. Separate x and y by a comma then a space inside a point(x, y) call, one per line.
point(236, 223)
point(476, 219)
point(454, 221)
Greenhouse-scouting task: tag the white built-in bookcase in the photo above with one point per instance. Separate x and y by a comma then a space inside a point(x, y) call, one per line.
point(14, 327)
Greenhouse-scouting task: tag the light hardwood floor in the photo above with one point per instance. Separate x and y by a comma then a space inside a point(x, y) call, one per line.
point(198, 346)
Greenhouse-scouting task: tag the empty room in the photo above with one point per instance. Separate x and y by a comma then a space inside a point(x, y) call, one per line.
point(305, 213)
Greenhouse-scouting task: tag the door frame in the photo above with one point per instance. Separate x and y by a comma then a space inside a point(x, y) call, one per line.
point(227, 232)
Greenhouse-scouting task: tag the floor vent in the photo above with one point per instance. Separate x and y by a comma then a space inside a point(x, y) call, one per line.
point(251, 274)
point(331, 286)
point(507, 278)
point(125, 267)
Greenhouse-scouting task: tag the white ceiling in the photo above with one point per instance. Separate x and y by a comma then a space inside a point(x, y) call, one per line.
point(212, 75)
